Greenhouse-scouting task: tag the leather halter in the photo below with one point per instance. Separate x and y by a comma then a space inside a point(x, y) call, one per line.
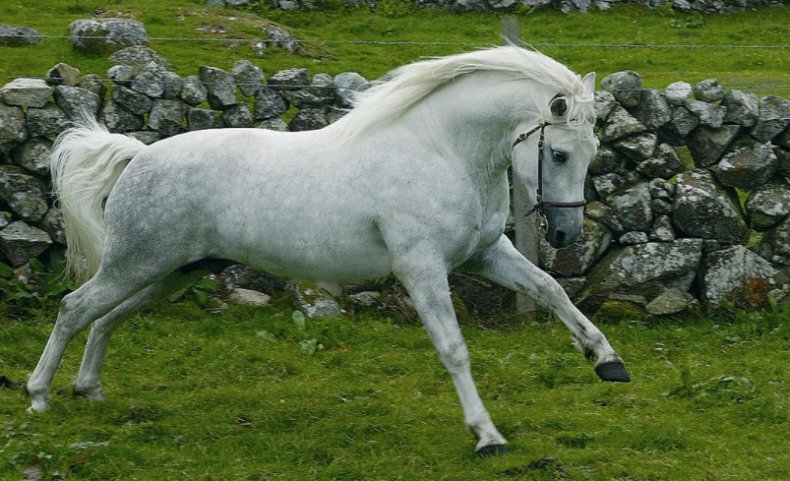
point(540, 204)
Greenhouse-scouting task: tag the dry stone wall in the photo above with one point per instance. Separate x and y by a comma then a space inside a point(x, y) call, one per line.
point(688, 197)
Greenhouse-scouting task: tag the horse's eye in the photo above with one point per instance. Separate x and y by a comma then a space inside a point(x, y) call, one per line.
point(559, 157)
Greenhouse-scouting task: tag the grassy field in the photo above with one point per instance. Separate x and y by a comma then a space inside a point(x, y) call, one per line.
point(654, 36)
point(242, 395)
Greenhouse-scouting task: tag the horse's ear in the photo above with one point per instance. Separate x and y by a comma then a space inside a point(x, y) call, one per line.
point(589, 83)
point(558, 106)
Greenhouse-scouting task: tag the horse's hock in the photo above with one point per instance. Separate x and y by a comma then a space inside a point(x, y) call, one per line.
point(688, 200)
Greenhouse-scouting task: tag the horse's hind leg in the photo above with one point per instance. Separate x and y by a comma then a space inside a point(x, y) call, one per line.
point(503, 264)
point(88, 382)
point(94, 299)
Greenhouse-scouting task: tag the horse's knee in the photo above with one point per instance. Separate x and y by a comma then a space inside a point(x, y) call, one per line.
point(454, 355)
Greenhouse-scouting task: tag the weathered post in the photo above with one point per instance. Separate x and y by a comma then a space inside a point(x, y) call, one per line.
point(526, 227)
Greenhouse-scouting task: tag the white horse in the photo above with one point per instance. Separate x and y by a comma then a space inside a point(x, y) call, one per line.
point(411, 182)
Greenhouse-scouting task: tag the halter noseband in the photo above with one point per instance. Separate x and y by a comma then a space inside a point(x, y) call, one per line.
point(540, 204)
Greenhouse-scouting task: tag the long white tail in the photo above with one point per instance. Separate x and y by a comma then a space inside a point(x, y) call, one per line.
point(86, 162)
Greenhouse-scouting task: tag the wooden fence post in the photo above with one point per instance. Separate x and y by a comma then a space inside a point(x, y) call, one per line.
point(526, 227)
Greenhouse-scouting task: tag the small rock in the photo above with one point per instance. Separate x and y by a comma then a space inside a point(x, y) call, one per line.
point(122, 74)
point(711, 115)
point(74, 101)
point(237, 116)
point(709, 90)
point(52, 223)
point(26, 92)
point(671, 301)
point(248, 297)
point(365, 298)
point(132, 101)
point(677, 93)
point(47, 121)
point(309, 119)
point(249, 78)
point(348, 85)
point(149, 84)
point(708, 145)
point(747, 168)
point(24, 193)
point(290, 79)
point(606, 161)
point(742, 108)
point(604, 103)
point(200, 119)
point(193, 91)
point(633, 207)
point(661, 231)
point(147, 137)
point(20, 241)
point(33, 156)
point(620, 124)
point(269, 104)
point(626, 87)
point(104, 35)
point(661, 206)
point(664, 164)
point(138, 57)
point(166, 116)
point(19, 36)
point(633, 238)
point(275, 123)
point(638, 147)
point(768, 205)
point(603, 214)
point(62, 74)
point(313, 301)
point(653, 111)
point(738, 275)
point(12, 127)
point(220, 85)
point(773, 118)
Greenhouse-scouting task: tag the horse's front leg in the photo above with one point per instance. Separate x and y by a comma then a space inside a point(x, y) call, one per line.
point(503, 264)
point(426, 283)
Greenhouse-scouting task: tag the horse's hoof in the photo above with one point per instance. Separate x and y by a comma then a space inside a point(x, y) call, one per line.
point(91, 394)
point(37, 407)
point(613, 371)
point(492, 450)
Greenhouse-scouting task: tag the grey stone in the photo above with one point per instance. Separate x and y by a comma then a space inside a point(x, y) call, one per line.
point(105, 35)
point(336, 114)
point(220, 85)
point(365, 299)
point(633, 237)
point(47, 121)
point(309, 119)
point(703, 208)
point(572, 285)
point(149, 84)
point(147, 137)
point(63, 74)
point(275, 123)
point(653, 111)
point(122, 74)
point(166, 116)
point(682, 124)
point(606, 161)
point(118, 119)
point(742, 108)
point(746, 168)
point(193, 91)
point(249, 78)
point(95, 84)
point(620, 124)
point(290, 79)
point(52, 223)
point(268, 104)
point(773, 118)
point(201, 119)
point(33, 155)
point(643, 269)
point(664, 164)
point(18, 36)
point(314, 301)
point(348, 85)
point(132, 101)
point(626, 87)
point(237, 3)
point(677, 93)
point(633, 207)
point(607, 184)
point(739, 276)
point(173, 84)
point(248, 297)
point(671, 301)
point(661, 206)
point(319, 93)
point(138, 57)
point(26, 92)
point(708, 145)
point(24, 193)
point(777, 243)
point(711, 115)
point(602, 213)
point(577, 258)
point(74, 101)
point(238, 115)
point(662, 231)
point(782, 162)
point(20, 241)
point(638, 147)
point(661, 189)
point(12, 127)
point(708, 90)
point(768, 205)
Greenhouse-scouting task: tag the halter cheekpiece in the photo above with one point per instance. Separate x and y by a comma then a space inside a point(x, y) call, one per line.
point(540, 204)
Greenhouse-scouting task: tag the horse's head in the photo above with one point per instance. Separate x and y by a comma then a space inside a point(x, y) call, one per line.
point(552, 158)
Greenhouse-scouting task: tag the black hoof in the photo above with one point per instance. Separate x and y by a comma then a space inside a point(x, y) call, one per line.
point(613, 371)
point(492, 450)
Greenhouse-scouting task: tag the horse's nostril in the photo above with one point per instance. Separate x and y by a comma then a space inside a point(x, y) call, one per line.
point(559, 236)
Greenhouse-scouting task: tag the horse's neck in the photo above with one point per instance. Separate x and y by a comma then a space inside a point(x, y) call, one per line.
point(473, 119)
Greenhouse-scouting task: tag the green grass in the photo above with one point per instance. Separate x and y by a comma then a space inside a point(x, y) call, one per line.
point(765, 71)
point(210, 397)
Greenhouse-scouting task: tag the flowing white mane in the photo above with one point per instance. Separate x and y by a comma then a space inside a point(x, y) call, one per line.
point(410, 83)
